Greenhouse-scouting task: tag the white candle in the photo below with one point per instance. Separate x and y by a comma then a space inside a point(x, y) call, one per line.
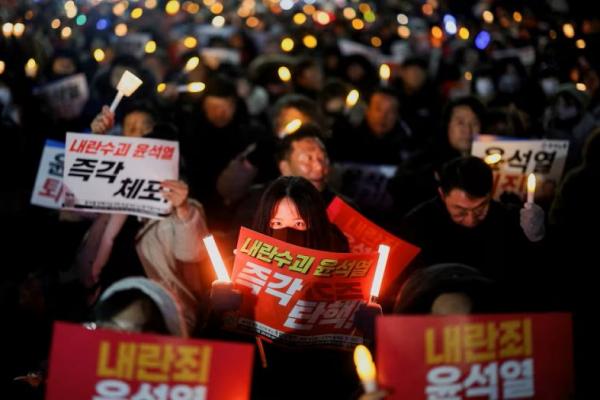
point(126, 86)
point(351, 100)
point(530, 188)
point(365, 367)
point(384, 252)
point(384, 74)
point(216, 259)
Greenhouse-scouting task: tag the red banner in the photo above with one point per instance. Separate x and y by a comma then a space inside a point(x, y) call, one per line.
point(104, 364)
point(504, 356)
point(300, 296)
point(365, 237)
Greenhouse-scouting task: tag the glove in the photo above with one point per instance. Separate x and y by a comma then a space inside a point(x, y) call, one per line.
point(223, 297)
point(532, 222)
point(364, 319)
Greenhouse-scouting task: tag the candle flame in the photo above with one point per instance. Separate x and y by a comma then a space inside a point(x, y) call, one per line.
point(352, 98)
point(531, 183)
point(292, 126)
point(365, 367)
point(492, 158)
point(384, 72)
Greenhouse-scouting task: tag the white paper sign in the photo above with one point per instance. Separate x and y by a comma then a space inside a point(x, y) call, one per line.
point(115, 174)
point(66, 97)
point(48, 190)
point(545, 158)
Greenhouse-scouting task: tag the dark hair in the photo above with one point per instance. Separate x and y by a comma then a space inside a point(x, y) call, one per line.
point(426, 284)
point(306, 131)
point(308, 201)
point(219, 86)
point(107, 309)
point(302, 65)
point(470, 174)
point(384, 91)
point(302, 103)
point(469, 101)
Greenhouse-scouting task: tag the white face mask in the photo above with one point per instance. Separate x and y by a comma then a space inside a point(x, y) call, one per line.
point(549, 86)
point(484, 87)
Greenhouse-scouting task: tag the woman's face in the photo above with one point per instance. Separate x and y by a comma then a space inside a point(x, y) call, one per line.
point(286, 215)
point(463, 126)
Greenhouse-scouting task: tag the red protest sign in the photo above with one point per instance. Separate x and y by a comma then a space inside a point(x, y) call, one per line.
point(104, 364)
point(504, 356)
point(299, 296)
point(364, 237)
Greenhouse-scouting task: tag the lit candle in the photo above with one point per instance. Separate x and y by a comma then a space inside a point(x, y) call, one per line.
point(126, 86)
point(365, 367)
point(530, 187)
point(351, 100)
point(284, 74)
point(384, 74)
point(492, 159)
point(31, 68)
point(290, 127)
point(192, 87)
point(384, 252)
point(216, 259)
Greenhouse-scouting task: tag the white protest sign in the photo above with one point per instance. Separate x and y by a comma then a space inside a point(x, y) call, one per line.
point(48, 190)
point(518, 158)
point(133, 44)
point(116, 174)
point(66, 97)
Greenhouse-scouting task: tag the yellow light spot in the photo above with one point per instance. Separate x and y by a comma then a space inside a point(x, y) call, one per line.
point(121, 30)
point(365, 367)
point(358, 24)
point(70, 9)
point(172, 7)
point(190, 42)
point(581, 87)
point(364, 8)
point(195, 87)
point(209, 3)
point(218, 21)
point(375, 41)
point(468, 75)
point(299, 18)
point(287, 44)
point(192, 63)
point(437, 32)
point(7, 29)
point(252, 22)
point(216, 8)
point(191, 8)
point(2, 67)
point(580, 44)
point(427, 9)
point(55, 24)
point(310, 41)
point(517, 16)
point(150, 47)
point(31, 68)
point(309, 9)
point(284, 74)
point(370, 17)
point(65, 33)
point(402, 19)
point(568, 30)
point(321, 17)
point(464, 33)
point(161, 87)
point(492, 159)
point(384, 72)
point(292, 126)
point(151, 4)
point(18, 29)
point(352, 98)
point(404, 32)
point(119, 8)
point(136, 13)
point(99, 55)
point(488, 16)
point(349, 13)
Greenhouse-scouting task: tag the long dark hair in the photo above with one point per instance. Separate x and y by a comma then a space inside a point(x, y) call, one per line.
point(320, 233)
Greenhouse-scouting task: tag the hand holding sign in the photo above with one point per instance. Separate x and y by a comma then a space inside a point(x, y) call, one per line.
point(126, 86)
point(177, 193)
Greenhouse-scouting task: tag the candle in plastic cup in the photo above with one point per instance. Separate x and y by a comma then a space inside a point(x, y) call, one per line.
point(530, 187)
point(126, 86)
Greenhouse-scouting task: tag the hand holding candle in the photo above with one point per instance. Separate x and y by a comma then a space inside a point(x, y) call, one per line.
point(365, 367)
point(128, 84)
point(530, 188)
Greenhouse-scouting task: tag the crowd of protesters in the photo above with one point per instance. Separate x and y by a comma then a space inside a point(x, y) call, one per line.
point(526, 70)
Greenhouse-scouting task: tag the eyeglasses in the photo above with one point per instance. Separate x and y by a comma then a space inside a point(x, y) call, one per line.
point(458, 212)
